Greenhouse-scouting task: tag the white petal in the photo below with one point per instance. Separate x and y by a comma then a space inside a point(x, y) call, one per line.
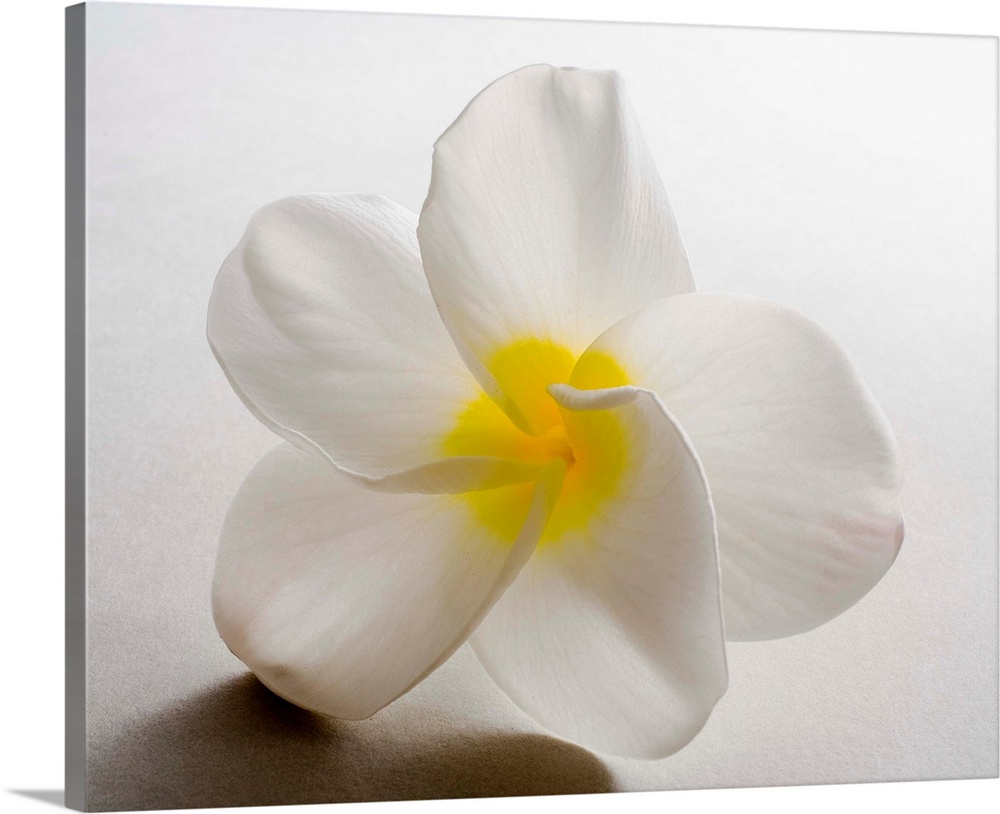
point(612, 636)
point(452, 476)
point(802, 464)
point(322, 319)
point(546, 216)
point(340, 599)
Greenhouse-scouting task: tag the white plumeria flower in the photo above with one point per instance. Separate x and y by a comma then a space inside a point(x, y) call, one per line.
point(526, 431)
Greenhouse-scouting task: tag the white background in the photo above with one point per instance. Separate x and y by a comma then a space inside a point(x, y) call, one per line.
point(33, 699)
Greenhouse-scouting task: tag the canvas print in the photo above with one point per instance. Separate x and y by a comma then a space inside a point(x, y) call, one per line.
point(583, 408)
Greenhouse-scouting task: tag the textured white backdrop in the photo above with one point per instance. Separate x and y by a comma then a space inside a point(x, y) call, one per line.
point(849, 176)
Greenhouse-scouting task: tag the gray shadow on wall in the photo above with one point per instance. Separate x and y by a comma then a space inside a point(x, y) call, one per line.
point(56, 797)
point(239, 744)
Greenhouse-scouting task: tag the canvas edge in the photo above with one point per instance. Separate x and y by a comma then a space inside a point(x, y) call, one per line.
point(75, 404)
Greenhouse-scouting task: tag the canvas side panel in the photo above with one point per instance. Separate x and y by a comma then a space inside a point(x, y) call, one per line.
point(76, 427)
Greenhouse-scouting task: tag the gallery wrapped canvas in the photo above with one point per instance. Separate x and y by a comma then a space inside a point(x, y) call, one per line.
point(539, 417)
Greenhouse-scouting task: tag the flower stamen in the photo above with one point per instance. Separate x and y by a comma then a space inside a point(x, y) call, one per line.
point(558, 445)
point(592, 444)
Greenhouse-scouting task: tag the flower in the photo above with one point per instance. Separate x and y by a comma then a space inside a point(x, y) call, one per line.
point(513, 422)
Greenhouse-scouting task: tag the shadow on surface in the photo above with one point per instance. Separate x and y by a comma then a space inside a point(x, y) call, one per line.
point(240, 744)
point(56, 797)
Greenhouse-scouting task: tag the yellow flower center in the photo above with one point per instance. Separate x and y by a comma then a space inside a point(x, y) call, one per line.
point(592, 443)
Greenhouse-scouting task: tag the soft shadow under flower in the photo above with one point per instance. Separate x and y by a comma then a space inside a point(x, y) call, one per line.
point(239, 744)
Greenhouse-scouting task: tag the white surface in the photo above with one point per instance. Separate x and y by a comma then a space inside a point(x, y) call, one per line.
point(894, 271)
